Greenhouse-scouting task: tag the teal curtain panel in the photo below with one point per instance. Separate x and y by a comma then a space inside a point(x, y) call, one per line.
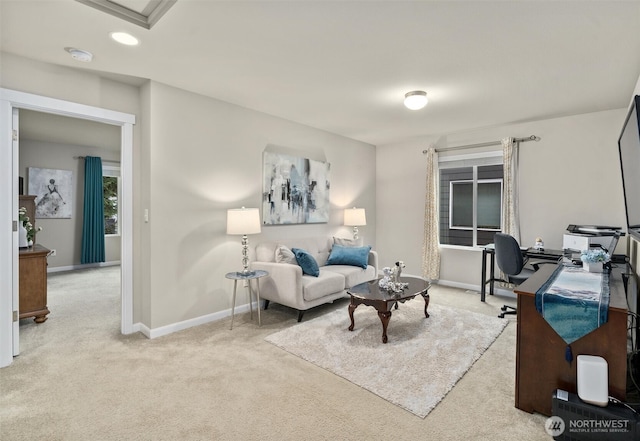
point(93, 221)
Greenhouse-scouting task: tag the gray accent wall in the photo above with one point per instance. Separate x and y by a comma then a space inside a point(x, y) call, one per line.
point(65, 235)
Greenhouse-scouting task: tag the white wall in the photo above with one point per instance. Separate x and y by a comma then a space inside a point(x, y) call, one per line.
point(194, 158)
point(85, 87)
point(65, 235)
point(572, 175)
point(65, 83)
point(205, 157)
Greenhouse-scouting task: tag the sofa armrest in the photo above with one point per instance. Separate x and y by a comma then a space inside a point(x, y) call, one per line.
point(373, 260)
point(283, 284)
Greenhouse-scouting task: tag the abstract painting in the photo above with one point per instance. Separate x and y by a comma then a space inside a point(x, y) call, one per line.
point(53, 190)
point(295, 190)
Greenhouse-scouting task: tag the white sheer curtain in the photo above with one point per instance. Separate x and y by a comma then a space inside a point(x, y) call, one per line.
point(431, 242)
point(510, 212)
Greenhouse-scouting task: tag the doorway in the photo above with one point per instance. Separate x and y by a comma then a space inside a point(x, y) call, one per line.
point(10, 103)
point(57, 144)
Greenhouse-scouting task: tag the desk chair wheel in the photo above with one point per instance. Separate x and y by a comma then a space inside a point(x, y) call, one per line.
point(506, 309)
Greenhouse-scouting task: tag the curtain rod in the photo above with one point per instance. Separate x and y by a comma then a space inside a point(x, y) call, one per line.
point(103, 160)
point(485, 144)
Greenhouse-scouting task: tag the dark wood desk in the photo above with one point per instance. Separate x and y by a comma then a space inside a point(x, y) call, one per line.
point(541, 367)
point(489, 250)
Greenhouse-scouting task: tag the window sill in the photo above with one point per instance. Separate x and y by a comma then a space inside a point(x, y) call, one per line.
point(462, 248)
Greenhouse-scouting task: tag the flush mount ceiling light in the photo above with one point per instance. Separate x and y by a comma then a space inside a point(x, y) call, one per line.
point(79, 54)
point(124, 38)
point(415, 100)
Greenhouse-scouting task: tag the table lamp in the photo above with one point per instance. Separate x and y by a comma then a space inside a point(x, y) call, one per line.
point(244, 221)
point(355, 217)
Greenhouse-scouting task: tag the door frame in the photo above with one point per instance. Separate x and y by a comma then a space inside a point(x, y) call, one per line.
point(10, 100)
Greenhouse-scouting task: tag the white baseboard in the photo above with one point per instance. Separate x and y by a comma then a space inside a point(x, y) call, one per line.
point(59, 269)
point(220, 315)
point(469, 287)
point(138, 327)
point(496, 290)
point(186, 324)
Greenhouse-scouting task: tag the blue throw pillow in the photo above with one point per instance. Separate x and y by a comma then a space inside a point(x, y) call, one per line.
point(354, 256)
point(307, 262)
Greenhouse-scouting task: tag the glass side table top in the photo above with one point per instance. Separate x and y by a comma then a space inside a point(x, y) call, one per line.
point(239, 275)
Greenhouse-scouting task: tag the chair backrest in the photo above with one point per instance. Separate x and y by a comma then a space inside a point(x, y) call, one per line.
point(614, 242)
point(508, 255)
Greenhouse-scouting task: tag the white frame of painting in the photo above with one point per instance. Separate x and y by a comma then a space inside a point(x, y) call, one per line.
point(51, 194)
point(309, 205)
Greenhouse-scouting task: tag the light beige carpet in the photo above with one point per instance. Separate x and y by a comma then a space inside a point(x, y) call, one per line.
point(422, 361)
point(79, 379)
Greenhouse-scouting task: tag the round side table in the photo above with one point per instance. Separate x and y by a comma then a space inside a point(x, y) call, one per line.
point(253, 275)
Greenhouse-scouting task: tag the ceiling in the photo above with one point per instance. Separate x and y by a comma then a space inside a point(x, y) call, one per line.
point(344, 66)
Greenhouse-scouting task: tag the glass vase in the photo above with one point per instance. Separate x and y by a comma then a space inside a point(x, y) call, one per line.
point(22, 235)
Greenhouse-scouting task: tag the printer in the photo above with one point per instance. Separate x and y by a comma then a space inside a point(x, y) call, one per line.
point(584, 237)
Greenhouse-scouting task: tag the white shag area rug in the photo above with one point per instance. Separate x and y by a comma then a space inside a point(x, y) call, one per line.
point(422, 361)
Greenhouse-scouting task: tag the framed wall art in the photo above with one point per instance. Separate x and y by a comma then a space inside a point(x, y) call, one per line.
point(295, 190)
point(53, 190)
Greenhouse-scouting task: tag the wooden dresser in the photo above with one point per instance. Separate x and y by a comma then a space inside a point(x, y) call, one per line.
point(33, 283)
point(32, 266)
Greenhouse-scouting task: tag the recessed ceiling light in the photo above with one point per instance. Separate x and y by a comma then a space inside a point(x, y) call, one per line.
point(125, 38)
point(79, 54)
point(415, 100)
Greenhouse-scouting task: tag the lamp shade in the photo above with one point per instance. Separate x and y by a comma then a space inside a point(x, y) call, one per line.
point(243, 221)
point(415, 100)
point(355, 217)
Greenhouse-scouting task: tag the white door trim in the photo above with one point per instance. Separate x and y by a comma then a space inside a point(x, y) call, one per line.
point(15, 243)
point(9, 100)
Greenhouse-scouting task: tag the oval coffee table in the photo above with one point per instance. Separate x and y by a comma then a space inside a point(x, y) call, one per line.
point(370, 294)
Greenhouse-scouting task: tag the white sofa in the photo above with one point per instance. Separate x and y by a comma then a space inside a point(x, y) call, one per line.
point(287, 285)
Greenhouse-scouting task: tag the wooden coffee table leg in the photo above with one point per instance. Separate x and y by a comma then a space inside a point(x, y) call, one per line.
point(426, 304)
point(385, 316)
point(352, 307)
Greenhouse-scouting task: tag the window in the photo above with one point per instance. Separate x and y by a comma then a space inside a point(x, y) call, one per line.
point(489, 207)
point(111, 199)
point(470, 199)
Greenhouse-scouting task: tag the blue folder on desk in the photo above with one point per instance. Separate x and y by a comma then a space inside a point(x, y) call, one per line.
point(574, 302)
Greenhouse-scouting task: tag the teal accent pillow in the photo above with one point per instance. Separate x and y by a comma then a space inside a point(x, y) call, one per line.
point(307, 262)
point(354, 256)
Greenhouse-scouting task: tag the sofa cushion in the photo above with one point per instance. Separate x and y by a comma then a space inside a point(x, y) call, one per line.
point(307, 262)
point(285, 255)
point(355, 256)
point(327, 283)
point(353, 275)
point(344, 242)
point(318, 247)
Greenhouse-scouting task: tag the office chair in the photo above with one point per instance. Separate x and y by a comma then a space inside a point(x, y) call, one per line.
point(511, 262)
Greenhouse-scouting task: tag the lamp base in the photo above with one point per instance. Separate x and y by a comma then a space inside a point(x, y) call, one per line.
point(245, 257)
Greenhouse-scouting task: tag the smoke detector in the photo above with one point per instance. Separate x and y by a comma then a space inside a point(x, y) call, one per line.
point(79, 54)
